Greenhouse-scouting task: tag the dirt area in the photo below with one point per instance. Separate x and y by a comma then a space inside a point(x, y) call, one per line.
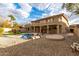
point(42, 47)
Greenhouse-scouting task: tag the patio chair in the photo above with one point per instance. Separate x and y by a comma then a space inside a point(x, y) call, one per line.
point(36, 36)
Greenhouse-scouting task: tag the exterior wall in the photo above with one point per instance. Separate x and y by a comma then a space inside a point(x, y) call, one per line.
point(52, 20)
point(64, 21)
point(23, 30)
point(57, 20)
point(76, 31)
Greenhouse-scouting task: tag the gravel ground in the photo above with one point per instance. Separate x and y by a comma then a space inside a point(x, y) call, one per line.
point(42, 47)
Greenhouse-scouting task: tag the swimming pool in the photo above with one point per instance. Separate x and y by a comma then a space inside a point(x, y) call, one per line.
point(26, 36)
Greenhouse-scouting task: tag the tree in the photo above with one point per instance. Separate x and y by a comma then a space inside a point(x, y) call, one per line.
point(12, 19)
point(1, 31)
point(16, 26)
point(71, 7)
point(6, 24)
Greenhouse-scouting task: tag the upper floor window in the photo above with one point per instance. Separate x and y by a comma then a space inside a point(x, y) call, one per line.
point(46, 20)
point(51, 20)
point(59, 19)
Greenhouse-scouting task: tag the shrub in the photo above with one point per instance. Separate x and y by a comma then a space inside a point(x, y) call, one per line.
point(1, 31)
point(14, 32)
point(10, 33)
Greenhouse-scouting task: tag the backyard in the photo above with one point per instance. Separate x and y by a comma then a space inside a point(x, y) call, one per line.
point(38, 47)
point(20, 21)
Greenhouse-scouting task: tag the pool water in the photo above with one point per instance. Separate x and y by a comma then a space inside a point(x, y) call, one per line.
point(27, 36)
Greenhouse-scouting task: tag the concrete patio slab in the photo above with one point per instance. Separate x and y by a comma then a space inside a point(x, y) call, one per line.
point(54, 36)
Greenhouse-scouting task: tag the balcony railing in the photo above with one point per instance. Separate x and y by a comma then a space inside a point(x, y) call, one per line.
point(44, 23)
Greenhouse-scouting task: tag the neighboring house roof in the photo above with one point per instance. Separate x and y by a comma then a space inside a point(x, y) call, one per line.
point(75, 25)
point(62, 14)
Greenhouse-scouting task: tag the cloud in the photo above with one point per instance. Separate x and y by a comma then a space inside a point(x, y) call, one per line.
point(74, 19)
point(50, 9)
point(25, 7)
point(26, 12)
point(40, 10)
point(21, 13)
point(4, 9)
point(40, 6)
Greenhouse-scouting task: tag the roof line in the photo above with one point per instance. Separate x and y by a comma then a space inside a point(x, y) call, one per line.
point(52, 16)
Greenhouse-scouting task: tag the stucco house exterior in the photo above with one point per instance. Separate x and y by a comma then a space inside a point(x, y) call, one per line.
point(55, 24)
point(74, 29)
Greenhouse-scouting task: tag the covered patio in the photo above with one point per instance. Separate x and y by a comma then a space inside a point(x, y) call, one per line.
point(50, 29)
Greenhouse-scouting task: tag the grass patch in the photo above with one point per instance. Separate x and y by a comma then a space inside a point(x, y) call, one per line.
point(12, 33)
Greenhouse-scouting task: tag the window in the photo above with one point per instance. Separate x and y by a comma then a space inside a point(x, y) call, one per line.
point(46, 20)
point(51, 19)
point(43, 21)
point(59, 19)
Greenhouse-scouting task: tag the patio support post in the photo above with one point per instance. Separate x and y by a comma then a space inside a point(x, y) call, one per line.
point(62, 29)
point(40, 29)
point(47, 28)
point(30, 29)
point(34, 29)
point(57, 29)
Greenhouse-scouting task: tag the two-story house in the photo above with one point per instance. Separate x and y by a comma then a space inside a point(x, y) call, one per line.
point(55, 24)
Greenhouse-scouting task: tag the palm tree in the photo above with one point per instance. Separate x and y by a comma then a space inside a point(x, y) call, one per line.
point(71, 7)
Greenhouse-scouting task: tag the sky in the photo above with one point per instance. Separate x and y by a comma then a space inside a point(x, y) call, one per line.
point(26, 12)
